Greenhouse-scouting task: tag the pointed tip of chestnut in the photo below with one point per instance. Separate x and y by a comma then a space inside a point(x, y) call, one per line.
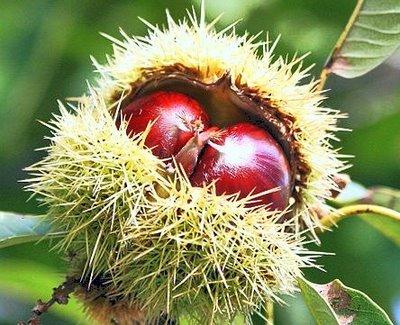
point(188, 156)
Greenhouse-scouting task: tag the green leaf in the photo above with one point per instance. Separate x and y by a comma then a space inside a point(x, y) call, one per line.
point(30, 281)
point(385, 196)
point(389, 227)
point(334, 303)
point(370, 37)
point(355, 193)
point(389, 198)
point(322, 312)
point(379, 195)
point(17, 228)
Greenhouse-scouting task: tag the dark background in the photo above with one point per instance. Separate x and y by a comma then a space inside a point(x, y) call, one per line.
point(44, 56)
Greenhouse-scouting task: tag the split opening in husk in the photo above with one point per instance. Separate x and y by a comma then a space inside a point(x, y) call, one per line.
point(227, 103)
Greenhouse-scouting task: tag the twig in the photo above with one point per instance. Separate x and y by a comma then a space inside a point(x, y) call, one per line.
point(342, 213)
point(323, 77)
point(60, 295)
point(338, 46)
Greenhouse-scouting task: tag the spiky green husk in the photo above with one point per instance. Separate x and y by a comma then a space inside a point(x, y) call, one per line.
point(94, 180)
point(210, 54)
point(162, 243)
point(199, 252)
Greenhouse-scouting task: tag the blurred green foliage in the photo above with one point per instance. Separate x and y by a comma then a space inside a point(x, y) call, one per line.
point(44, 56)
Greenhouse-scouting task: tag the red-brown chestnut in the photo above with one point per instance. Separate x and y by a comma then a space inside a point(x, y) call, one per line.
point(246, 159)
point(176, 118)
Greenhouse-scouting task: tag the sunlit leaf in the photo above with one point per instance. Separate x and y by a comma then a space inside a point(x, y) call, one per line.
point(30, 281)
point(389, 225)
point(352, 193)
point(389, 198)
point(385, 196)
point(371, 36)
point(18, 228)
point(334, 303)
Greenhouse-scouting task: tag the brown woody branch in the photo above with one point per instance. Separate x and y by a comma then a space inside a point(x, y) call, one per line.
point(60, 295)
